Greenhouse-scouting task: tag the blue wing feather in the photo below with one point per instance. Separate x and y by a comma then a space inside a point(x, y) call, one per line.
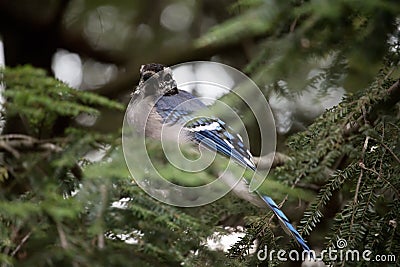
point(221, 146)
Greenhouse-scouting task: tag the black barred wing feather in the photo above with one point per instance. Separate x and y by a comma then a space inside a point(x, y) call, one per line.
point(215, 135)
point(181, 109)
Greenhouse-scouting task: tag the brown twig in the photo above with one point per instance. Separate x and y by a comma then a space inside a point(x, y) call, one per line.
point(6, 147)
point(62, 236)
point(390, 151)
point(24, 239)
point(270, 160)
point(293, 25)
point(64, 241)
point(16, 143)
point(381, 177)
point(100, 236)
point(362, 166)
point(393, 97)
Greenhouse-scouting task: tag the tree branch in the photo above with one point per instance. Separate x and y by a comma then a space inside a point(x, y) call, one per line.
point(393, 96)
point(271, 160)
point(16, 143)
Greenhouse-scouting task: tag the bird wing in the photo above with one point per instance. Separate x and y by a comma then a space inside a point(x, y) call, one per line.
point(213, 133)
point(209, 131)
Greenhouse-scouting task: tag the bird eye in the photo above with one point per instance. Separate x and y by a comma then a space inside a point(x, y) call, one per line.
point(167, 77)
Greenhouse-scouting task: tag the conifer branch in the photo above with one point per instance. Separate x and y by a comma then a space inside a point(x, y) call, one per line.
point(361, 164)
point(16, 143)
point(393, 96)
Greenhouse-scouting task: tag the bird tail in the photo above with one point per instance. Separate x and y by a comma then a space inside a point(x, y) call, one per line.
point(287, 226)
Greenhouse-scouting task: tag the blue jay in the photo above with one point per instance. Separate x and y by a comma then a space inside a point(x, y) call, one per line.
point(170, 108)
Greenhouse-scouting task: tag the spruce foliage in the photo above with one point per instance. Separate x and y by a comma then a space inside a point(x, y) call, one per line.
point(60, 207)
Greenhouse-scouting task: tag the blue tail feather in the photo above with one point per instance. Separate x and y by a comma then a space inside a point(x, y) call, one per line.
point(285, 221)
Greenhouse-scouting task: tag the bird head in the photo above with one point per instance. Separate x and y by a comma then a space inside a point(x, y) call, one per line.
point(156, 79)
